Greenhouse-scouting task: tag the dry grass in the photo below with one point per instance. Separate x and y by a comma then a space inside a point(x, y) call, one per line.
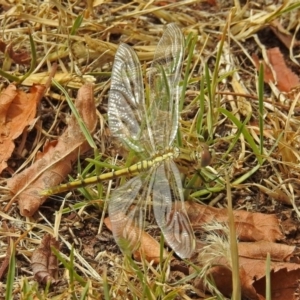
point(259, 173)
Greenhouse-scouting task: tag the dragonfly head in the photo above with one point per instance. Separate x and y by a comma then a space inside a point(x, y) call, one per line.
point(202, 155)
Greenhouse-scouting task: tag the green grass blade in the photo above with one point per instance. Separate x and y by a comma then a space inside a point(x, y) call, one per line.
point(210, 112)
point(261, 106)
point(245, 132)
point(283, 10)
point(268, 277)
point(105, 285)
point(236, 138)
point(236, 284)
point(179, 139)
point(190, 45)
point(98, 171)
point(68, 266)
point(85, 291)
point(146, 290)
point(31, 69)
point(11, 272)
point(33, 59)
point(246, 175)
point(199, 122)
point(161, 251)
point(76, 24)
point(71, 273)
point(77, 115)
point(100, 164)
point(28, 290)
point(9, 77)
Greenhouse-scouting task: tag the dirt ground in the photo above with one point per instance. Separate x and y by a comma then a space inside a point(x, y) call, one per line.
point(243, 116)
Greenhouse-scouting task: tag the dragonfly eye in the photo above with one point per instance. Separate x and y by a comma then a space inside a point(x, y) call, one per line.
point(205, 157)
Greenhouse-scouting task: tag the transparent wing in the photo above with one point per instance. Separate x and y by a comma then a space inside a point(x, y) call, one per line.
point(171, 216)
point(126, 210)
point(126, 103)
point(164, 76)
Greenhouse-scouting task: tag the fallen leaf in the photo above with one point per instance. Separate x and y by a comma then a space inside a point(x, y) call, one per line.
point(286, 79)
point(6, 98)
point(44, 262)
point(252, 256)
point(284, 281)
point(212, 2)
point(149, 248)
point(284, 278)
point(283, 35)
point(17, 110)
point(259, 250)
point(55, 163)
point(19, 57)
point(249, 226)
point(268, 75)
point(222, 278)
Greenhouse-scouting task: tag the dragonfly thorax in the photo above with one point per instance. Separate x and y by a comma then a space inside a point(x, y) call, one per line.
point(172, 152)
point(176, 152)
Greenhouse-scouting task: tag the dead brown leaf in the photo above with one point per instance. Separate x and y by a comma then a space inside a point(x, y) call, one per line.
point(286, 80)
point(259, 250)
point(56, 161)
point(44, 262)
point(17, 110)
point(249, 226)
point(252, 256)
point(19, 57)
point(283, 35)
point(268, 75)
point(149, 248)
point(284, 278)
point(222, 277)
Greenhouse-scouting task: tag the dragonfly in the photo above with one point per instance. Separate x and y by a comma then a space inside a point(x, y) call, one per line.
point(149, 130)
